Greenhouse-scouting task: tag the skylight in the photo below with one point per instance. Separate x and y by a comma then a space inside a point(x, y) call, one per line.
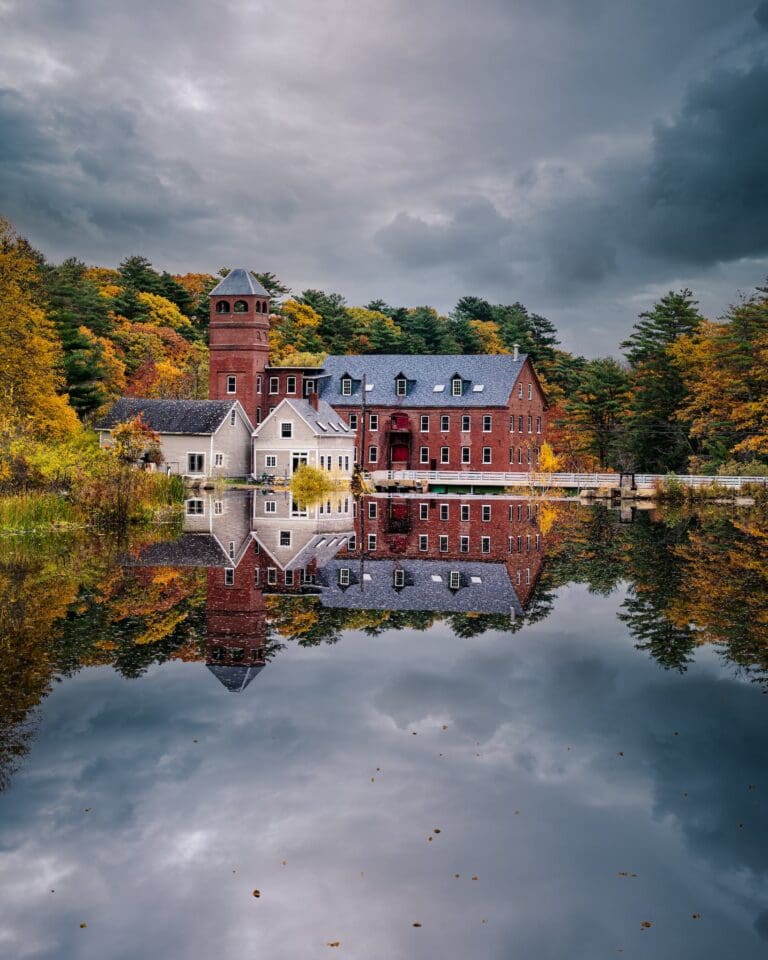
point(478, 387)
point(476, 579)
point(436, 578)
point(368, 387)
point(321, 425)
point(438, 388)
point(367, 577)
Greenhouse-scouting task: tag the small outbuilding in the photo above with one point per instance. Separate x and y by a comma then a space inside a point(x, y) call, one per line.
point(199, 439)
point(303, 432)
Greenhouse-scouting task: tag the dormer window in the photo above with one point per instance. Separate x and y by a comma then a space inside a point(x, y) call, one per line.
point(456, 387)
point(399, 579)
point(222, 306)
point(346, 386)
point(455, 579)
point(241, 306)
point(401, 386)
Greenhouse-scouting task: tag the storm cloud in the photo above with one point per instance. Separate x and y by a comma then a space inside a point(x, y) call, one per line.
point(581, 158)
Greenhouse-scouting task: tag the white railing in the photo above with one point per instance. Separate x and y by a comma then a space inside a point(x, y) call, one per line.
point(581, 480)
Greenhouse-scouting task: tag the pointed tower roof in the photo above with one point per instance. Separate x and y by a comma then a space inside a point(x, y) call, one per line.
point(235, 679)
point(238, 283)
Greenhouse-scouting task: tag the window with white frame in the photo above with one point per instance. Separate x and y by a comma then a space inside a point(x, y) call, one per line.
point(399, 578)
point(270, 506)
point(353, 421)
point(423, 511)
point(520, 424)
point(257, 576)
point(274, 384)
point(512, 424)
point(486, 513)
point(401, 386)
point(258, 415)
point(195, 507)
point(485, 544)
point(511, 454)
point(231, 549)
point(466, 423)
point(538, 424)
point(423, 542)
point(530, 391)
point(486, 454)
point(231, 384)
point(270, 460)
point(487, 423)
point(424, 423)
point(373, 421)
point(290, 385)
point(464, 544)
point(444, 510)
point(373, 509)
point(344, 573)
point(218, 507)
point(371, 541)
point(271, 576)
point(423, 454)
point(346, 387)
point(289, 578)
point(285, 538)
point(443, 543)
point(229, 577)
point(519, 454)
point(445, 454)
point(352, 541)
point(530, 423)
point(520, 391)
point(309, 387)
point(232, 417)
point(195, 462)
point(454, 579)
point(456, 387)
point(465, 511)
point(465, 454)
point(445, 423)
point(218, 459)
point(258, 384)
point(286, 429)
point(373, 454)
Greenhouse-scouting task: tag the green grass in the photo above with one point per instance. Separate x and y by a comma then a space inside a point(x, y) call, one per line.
point(36, 512)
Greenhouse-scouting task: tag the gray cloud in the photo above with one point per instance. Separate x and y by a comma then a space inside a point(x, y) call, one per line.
point(576, 158)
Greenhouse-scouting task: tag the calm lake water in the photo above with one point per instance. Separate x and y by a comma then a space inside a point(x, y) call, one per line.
point(544, 736)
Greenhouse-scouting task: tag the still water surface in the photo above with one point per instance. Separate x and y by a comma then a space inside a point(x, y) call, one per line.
point(559, 752)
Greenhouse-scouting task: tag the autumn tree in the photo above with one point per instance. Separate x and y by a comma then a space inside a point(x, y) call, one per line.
point(31, 382)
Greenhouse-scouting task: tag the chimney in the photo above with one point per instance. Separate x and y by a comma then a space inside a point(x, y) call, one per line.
point(313, 399)
point(515, 351)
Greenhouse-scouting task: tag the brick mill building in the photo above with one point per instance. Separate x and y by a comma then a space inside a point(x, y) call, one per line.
point(451, 413)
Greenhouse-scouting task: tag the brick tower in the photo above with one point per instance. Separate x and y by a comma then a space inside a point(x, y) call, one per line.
point(239, 340)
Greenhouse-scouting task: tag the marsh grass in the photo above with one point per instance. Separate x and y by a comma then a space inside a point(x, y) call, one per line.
point(37, 513)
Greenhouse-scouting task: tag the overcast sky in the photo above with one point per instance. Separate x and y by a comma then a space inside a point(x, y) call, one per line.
point(583, 156)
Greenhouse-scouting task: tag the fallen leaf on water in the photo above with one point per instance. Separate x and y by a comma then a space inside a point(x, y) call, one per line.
point(414, 733)
point(416, 924)
point(333, 943)
point(284, 862)
point(695, 916)
point(517, 812)
point(751, 786)
point(257, 893)
point(87, 809)
point(457, 875)
point(83, 926)
point(646, 924)
point(474, 878)
point(373, 779)
point(436, 830)
point(430, 839)
point(445, 726)
point(620, 753)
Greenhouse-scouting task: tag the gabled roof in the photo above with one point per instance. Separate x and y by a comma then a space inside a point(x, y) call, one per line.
point(321, 421)
point(239, 283)
point(190, 550)
point(488, 380)
point(170, 416)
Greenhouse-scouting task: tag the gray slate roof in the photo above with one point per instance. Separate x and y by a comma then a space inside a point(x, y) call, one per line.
point(238, 283)
point(495, 374)
point(325, 414)
point(169, 416)
point(235, 679)
point(190, 550)
point(494, 594)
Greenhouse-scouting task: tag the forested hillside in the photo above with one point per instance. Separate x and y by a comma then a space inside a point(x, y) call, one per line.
point(686, 393)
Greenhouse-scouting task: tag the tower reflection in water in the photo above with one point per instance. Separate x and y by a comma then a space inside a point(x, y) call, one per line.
point(435, 554)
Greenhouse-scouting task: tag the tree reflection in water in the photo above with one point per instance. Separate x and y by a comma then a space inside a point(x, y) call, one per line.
point(243, 579)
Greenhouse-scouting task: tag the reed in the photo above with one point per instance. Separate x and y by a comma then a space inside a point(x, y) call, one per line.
point(36, 512)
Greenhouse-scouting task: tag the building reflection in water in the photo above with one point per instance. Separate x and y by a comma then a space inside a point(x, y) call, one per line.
point(437, 554)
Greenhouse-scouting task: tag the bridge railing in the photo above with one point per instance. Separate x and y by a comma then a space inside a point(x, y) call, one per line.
point(537, 479)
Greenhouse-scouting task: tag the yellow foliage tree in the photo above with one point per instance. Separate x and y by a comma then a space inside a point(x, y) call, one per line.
point(163, 313)
point(30, 352)
point(488, 334)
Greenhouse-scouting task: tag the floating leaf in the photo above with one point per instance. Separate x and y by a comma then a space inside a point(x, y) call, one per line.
point(416, 924)
point(83, 926)
point(695, 916)
point(646, 924)
point(257, 893)
point(333, 943)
